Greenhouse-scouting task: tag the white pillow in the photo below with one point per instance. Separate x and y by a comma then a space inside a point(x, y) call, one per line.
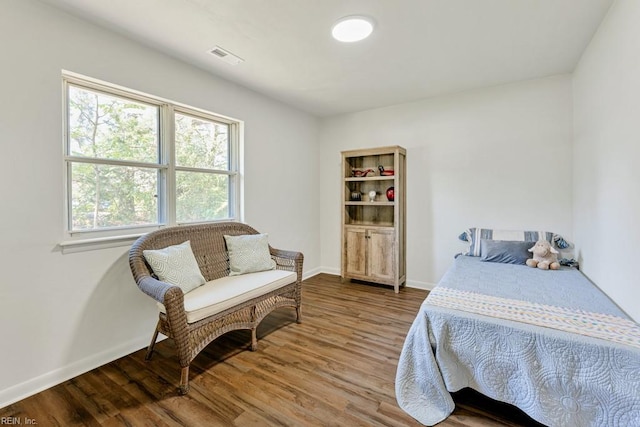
point(249, 254)
point(176, 265)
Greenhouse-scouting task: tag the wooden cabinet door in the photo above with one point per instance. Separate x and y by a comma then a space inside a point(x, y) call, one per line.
point(355, 251)
point(381, 254)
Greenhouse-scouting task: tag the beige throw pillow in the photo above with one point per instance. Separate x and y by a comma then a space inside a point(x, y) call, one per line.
point(249, 254)
point(176, 265)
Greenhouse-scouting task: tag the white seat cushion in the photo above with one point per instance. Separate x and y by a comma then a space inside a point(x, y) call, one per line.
point(220, 294)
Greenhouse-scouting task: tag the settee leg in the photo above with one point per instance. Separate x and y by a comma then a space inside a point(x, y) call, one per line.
point(254, 338)
point(298, 314)
point(184, 381)
point(152, 344)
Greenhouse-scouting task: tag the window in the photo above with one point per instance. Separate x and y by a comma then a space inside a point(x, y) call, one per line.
point(133, 161)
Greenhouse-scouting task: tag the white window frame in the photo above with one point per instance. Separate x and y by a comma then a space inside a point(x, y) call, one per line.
point(115, 236)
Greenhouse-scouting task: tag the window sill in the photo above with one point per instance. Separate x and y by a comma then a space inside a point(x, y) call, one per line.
point(73, 246)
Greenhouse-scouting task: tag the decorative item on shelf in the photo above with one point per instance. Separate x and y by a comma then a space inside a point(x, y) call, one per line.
point(372, 196)
point(360, 172)
point(385, 172)
point(390, 194)
point(356, 196)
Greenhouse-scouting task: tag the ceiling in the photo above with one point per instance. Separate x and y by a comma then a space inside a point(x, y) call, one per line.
point(419, 49)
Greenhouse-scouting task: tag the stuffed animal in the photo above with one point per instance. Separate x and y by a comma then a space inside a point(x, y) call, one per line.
point(544, 256)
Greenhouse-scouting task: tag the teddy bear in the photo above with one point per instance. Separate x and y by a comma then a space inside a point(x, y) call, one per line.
point(545, 256)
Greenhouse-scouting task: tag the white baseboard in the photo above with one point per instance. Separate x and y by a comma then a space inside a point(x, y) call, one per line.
point(311, 273)
point(329, 270)
point(60, 375)
point(427, 286)
point(420, 285)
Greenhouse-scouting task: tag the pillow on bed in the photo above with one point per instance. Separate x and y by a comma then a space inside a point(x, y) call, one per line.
point(474, 235)
point(505, 251)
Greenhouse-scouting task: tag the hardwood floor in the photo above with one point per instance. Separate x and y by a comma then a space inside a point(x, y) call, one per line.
point(337, 368)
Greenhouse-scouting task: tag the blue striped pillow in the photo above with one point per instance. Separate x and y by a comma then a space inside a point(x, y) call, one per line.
point(474, 235)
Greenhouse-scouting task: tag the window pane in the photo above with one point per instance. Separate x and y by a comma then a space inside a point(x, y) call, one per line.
point(112, 196)
point(110, 127)
point(201, 196)
point(201, 143)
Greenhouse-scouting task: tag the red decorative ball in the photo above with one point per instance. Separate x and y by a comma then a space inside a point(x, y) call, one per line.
point(390, 194)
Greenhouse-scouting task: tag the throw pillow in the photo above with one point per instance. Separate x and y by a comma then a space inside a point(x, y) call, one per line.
point(505, 251)
point(249, 254)
point(176, 265)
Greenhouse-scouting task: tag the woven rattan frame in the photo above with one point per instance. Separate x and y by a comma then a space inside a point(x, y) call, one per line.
point(209, 248)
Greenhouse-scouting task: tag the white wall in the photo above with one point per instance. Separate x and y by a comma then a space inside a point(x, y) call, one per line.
point(64, 314)
point(498, 157)
point(606, 88)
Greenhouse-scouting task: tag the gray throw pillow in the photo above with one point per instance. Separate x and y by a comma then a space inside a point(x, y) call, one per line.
point(249, 254)
point(505, 251)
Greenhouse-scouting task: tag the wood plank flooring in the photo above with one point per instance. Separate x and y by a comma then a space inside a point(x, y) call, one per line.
point(337, 368)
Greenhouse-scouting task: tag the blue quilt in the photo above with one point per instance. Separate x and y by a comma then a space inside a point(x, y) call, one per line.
point(558, 378)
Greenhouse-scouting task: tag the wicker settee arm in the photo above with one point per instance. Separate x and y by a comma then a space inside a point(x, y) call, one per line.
point(155, 288)
point(280, 253)
point(173, 300)
point(288, 260)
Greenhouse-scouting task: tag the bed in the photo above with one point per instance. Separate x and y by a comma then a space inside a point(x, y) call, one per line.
point(549, 342)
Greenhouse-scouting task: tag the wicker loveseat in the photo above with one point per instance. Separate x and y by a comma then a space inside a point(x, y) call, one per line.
point(249, 307)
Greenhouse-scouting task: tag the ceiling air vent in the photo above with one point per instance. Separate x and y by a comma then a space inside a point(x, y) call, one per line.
point(225, 56)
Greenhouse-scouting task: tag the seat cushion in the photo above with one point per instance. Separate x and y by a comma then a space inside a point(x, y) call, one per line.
point(220, 294)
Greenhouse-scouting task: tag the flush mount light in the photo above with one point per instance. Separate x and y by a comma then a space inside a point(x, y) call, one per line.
point(352, 29)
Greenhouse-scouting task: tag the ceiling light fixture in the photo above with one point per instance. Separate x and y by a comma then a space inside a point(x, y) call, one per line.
point(352, 29)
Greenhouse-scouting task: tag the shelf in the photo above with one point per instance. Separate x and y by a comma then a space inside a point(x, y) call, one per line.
point(369, 178)
point(353, 203)
point(368, 224)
